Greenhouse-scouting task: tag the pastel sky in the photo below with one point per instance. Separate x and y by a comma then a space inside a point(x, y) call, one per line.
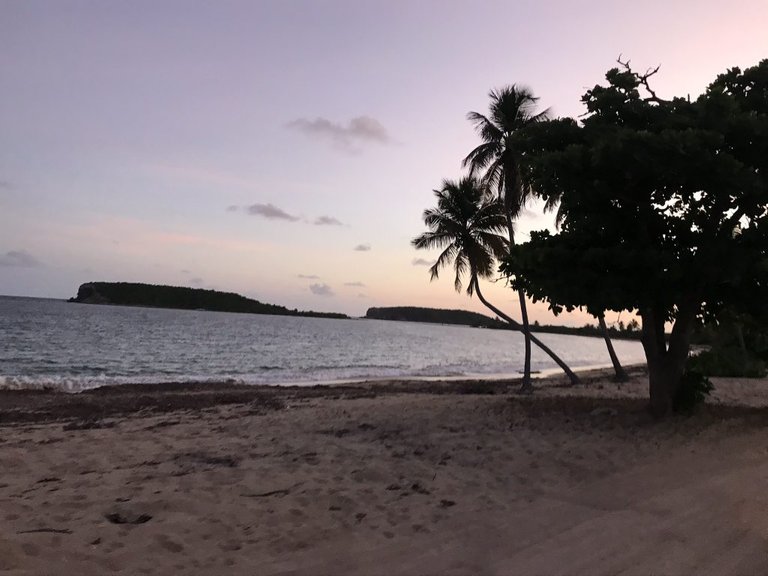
point(286, 149)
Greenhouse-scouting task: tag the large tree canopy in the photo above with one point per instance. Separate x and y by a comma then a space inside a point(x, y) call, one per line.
point(663, 208)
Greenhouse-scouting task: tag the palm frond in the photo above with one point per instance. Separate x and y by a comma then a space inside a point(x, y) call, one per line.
point(460, 264)
point(430, 240)
point(487, 130)
point(442, 261)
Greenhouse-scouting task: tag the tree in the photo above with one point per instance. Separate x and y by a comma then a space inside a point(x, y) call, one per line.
point(512, 108)
point(467, 226)
point(664, 206)
point(620, 375)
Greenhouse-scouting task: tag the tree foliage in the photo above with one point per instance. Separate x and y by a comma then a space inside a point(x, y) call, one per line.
point(663, 206)
point(467, 226)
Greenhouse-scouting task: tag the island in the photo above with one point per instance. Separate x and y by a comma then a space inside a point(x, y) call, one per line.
point(434, 316)
point(160, 296)
point(464, 317)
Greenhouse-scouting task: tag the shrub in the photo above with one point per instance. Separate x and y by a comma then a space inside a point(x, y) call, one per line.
point(694, 389)
point(727, 361)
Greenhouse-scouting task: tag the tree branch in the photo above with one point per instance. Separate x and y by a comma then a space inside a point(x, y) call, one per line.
point(643, 79)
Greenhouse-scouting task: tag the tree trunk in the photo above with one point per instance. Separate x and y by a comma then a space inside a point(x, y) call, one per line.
point(527, 384)
point(515, 326)
point(621, 374)
point(666, 364)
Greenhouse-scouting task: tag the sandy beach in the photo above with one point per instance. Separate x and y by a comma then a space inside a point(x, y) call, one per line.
point(386, 478)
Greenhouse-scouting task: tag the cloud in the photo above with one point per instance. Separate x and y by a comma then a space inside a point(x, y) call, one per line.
point(196, 281)
point(18, 259)
point(5, 185)
point(362, 248)
point(270, 212)
point(321, 289)
point(359, 130)
point(422, 262)
point(358, 284)
point(233, 208)
point(327, 221)
point(309, 276)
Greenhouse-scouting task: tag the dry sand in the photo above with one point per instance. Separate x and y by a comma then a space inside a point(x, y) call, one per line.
point(401, 478)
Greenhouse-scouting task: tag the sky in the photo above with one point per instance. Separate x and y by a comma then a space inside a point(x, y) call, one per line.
point(286, 149)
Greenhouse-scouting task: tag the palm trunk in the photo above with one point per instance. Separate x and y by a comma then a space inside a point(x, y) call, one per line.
point(621, 374)
point(527, 384)
point(515, 326)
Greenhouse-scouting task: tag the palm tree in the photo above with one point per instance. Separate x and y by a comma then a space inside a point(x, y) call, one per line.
point(511, 109)
point(467, 225)
point(620, 374)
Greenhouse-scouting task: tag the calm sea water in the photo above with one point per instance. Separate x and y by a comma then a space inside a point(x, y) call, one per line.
point(79, 346)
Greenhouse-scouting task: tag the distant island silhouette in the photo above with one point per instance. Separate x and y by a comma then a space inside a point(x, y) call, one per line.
point(180, 297)
point(474, 319)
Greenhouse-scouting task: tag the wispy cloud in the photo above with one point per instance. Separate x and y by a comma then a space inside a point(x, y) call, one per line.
point(271, 212)
point(6, 185)
point(422, 262)
point(196, 281)
point(18, 259)
point(359, 130)
point(233, 208)
point(309, 277)
point(321, 289)
point(362, 248)
point(327, 221)
point(358, 284)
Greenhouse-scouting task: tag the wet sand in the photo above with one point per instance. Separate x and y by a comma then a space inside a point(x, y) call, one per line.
point(385, 478)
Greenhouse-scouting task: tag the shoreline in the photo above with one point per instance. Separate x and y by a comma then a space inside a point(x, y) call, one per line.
point(214, 382)
point(52, 404)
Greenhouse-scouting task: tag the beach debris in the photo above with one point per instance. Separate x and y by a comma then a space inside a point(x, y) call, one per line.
point(163, 424)
point(447, 503)
point(90, 423)
point(45, 530)
point(127, 518)
point(209, 459)
point(359, 516)
point(49, 479)
point(280, 492)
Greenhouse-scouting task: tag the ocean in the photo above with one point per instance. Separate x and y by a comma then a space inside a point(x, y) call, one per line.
point(53, 343)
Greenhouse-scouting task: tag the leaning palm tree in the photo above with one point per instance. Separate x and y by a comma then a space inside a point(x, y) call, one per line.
point(468, 225)
point(620, 375)
point(511, 109)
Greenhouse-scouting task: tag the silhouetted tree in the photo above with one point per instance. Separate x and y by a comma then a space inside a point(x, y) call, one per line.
point(498, 159)
point(653, 191)
point(467, 226)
